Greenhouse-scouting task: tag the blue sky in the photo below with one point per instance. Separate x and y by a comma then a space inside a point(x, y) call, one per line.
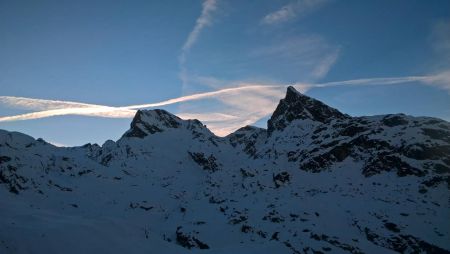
point(121, 53)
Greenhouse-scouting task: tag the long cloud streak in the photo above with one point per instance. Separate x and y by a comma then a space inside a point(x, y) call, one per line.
point(204, 20)
point(292, 10)
point(264, 96)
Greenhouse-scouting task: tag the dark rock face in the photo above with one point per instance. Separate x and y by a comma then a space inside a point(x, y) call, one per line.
point(106, 159)
point(379, 143)
point(151, 121)
point(391, 227)
point(435, 181)
point(248, 137)
point(437, 134)
point(394, 120)
point(188, 241)
point(402, 243)
point(318, 163)
point(4, 159)
point(12, 179)
point(335, 242)
point(281, 178)
point(298, 106)
point(425, 152)
point(353, 130)
point(387, 162)
point(208, 163)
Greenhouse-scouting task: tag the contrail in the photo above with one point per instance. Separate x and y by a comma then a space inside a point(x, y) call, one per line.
point(40, 104)
point(204, 20)
point(205, 95)
point(60, 108)
point(75, 108)
point(300, 86)
point(110, 112)
point(377, 81)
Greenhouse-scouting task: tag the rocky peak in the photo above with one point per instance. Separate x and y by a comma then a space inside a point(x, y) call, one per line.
point(147, 122)
point(299, 106)
point(151, 121)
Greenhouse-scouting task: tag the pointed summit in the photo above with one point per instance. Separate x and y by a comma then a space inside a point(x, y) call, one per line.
point(147, 122)
point(151, 121)
point(299, 106)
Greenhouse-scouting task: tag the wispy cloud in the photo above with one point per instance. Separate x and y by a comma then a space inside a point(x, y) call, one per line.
point(324, 66)
point(378, 81)
point(292, 10)
point(243, 104)
point(309, 55)
point(440, 80)
point(39, 104)
point(440, 42)
point(211, 117)
point(440, 37)
point(105, 111)
point(204, 20)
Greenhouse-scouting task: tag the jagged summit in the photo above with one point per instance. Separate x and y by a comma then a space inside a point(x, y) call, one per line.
point(173, 187)
point(151, 121)
point(147, 122)
point(295, 105)
point(299, 106)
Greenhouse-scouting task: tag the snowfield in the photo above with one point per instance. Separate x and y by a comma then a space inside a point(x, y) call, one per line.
point(316, 181)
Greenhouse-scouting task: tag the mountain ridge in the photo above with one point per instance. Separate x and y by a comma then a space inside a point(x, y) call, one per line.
point(174, 186)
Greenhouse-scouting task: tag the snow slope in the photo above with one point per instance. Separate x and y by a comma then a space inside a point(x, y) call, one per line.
point(315, 181)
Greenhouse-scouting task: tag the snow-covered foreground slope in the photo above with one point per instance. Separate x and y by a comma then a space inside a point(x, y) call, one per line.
point(315, 181)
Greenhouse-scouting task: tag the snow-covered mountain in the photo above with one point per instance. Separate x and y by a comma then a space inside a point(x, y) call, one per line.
point(316, 181)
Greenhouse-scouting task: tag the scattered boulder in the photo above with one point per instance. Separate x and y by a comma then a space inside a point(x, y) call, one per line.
point(188, 241)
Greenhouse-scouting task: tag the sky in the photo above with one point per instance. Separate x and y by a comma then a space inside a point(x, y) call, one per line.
point(75, 72)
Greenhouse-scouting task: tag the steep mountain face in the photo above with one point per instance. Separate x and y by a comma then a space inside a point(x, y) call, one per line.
point(147, 122)
point(298, 106)
point(315, 181)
